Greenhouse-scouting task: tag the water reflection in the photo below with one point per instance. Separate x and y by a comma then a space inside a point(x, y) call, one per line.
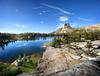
point(10, 50)
point(4, 43)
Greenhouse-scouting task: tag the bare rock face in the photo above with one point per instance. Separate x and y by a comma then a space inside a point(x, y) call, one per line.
point(60, 62)
point(56, 60)
point(65, 29)
point(89, 68)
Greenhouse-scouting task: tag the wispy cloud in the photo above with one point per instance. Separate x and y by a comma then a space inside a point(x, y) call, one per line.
point(21, 26)
point(57, 8)
point(40, 13)
point(45, 11)
point(63, 18)
point(84, 19)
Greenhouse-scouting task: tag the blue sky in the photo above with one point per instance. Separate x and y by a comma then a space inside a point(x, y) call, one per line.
point(18, 16)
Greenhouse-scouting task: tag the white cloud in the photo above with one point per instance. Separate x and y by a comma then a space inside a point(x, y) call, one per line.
point(21, 26)
point(45, 11)
point(84, 19)
point(40, 13)
point(57, 8)
point(63, 18)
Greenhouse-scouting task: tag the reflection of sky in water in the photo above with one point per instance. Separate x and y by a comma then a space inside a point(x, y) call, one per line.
point(17, 48)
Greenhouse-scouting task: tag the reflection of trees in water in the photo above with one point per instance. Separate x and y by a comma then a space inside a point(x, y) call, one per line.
point(4, 43)
point(6, 38)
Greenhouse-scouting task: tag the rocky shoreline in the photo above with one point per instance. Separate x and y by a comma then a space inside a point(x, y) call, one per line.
point(69, 61)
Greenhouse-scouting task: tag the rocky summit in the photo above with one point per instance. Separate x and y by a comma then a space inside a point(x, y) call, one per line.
point(65, 29)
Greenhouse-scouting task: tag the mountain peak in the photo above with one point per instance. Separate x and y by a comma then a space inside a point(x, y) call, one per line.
point(67, 25)
point(68, 29)
point(65, 29)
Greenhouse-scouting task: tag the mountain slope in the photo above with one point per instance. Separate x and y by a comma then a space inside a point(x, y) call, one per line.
point(68, 29)
point(95, 27)
point(65, 29)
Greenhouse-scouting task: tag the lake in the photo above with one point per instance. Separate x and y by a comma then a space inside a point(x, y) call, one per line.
point(11, 51)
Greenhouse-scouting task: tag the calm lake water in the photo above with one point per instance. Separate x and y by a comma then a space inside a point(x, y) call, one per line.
point(12, 50)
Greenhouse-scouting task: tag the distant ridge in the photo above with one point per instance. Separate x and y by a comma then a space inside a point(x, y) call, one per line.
point(95, 27)
point(68, 29)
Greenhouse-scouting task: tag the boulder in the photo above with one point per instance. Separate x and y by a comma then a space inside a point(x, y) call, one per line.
point(60, 62)
point(89, 68)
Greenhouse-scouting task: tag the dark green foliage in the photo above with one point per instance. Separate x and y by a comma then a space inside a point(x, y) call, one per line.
point(7, 70)
point(56, 42)
point(75, 36)
point(26, 64)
